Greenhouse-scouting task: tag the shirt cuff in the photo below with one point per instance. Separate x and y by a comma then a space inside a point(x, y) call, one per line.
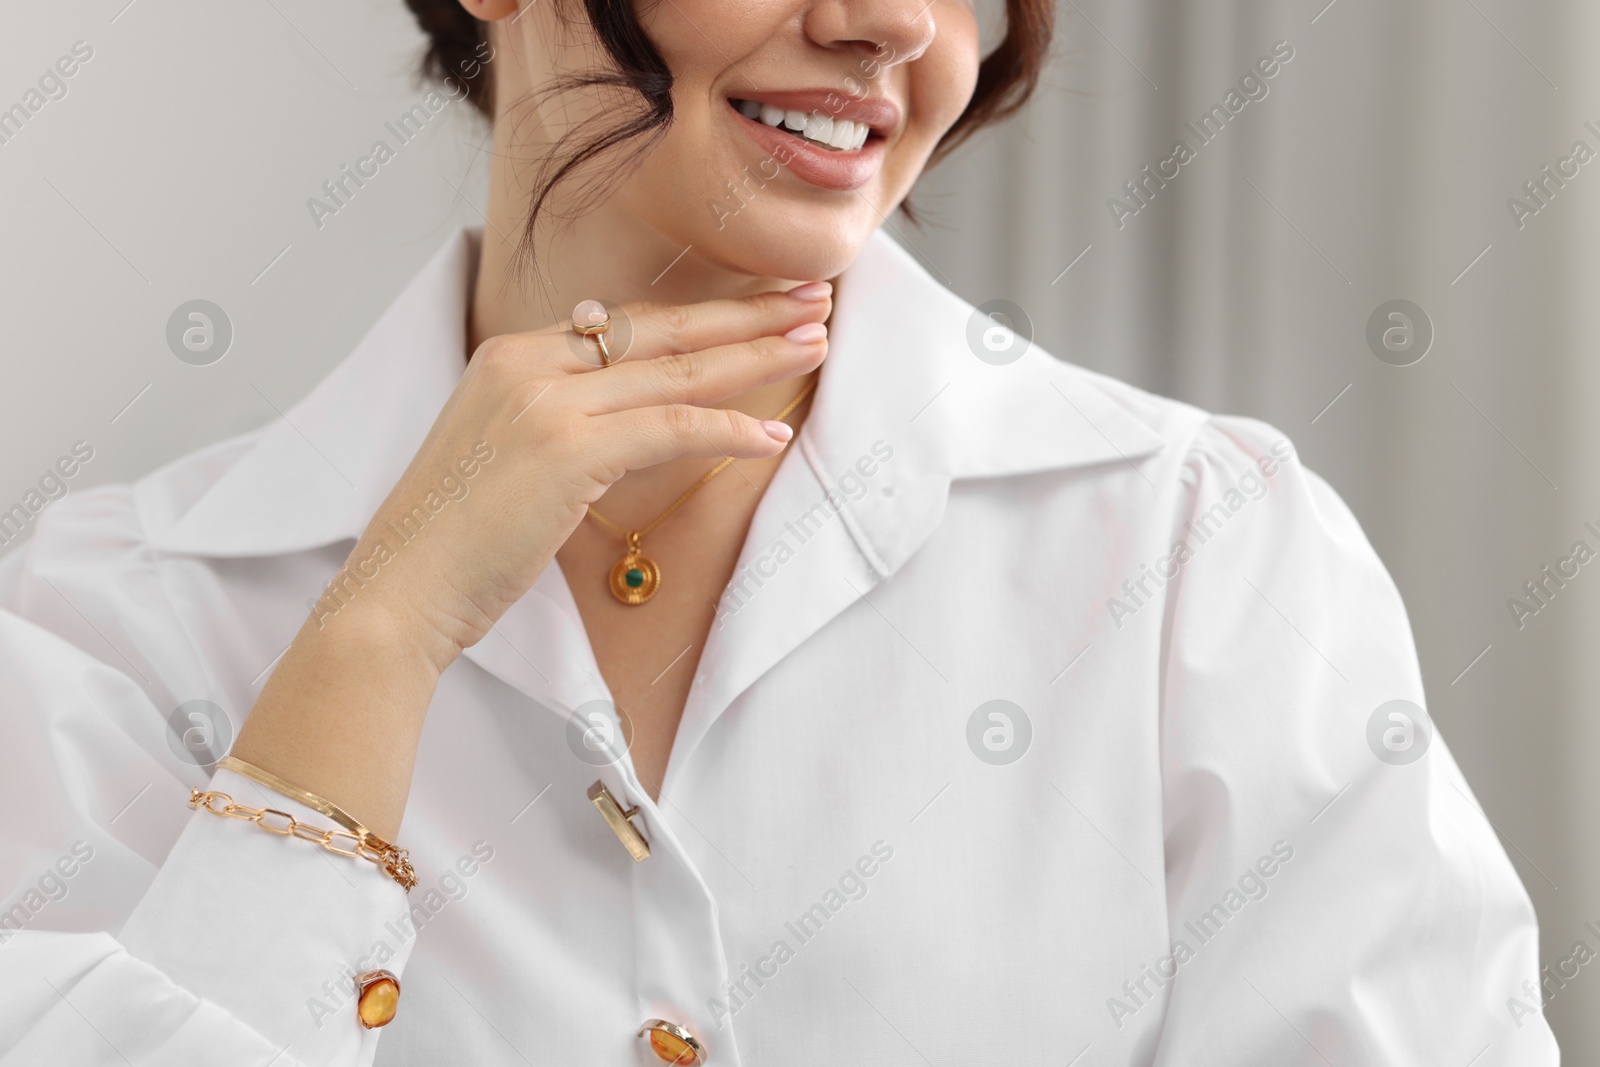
point(273, 928)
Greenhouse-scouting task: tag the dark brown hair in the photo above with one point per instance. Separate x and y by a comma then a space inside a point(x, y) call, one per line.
point(458, 49)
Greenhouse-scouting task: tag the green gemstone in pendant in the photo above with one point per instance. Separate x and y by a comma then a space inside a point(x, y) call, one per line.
point(635, 577)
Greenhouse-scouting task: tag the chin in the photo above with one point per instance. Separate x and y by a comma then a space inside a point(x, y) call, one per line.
point(769, 243)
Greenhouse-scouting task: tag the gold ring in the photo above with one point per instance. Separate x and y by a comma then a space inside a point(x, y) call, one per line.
point(590, 319)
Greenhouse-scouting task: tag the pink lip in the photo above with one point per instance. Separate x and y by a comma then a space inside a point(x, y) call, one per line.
point(826, 168)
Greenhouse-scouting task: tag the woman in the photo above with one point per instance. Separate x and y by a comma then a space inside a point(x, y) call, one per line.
point(1005, 714)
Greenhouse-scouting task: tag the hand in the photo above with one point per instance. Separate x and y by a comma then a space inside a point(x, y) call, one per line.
point(534, 434)
point(531, 436)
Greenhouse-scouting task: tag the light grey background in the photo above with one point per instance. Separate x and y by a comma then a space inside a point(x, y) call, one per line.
point(1378, 167)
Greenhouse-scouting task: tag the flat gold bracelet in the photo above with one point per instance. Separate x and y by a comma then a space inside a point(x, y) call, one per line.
point(395, 862)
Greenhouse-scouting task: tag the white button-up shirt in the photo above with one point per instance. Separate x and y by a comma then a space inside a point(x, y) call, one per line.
point(1044, 721)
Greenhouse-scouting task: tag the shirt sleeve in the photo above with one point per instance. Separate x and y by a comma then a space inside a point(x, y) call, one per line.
point(132, 928)
point(1335, 893)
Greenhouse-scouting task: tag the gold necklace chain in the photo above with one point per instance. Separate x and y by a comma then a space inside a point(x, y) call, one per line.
point(636, 577)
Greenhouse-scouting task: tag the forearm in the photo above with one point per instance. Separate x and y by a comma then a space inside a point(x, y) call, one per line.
point(342, 714)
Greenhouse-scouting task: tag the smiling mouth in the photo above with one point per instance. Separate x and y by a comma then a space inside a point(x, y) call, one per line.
point(825, 131)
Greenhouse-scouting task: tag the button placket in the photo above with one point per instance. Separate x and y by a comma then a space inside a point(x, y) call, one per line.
point(678, 947)
point(681, 965)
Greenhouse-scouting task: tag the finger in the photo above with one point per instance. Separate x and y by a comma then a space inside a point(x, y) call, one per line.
point(644, 437)
point(641, 331)
point(704, 377)
point(660, 330)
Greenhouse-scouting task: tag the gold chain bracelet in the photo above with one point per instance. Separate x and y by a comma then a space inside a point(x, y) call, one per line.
point(396, 862)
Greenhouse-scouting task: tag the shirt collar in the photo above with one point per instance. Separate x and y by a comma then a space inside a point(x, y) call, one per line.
point(901, 370)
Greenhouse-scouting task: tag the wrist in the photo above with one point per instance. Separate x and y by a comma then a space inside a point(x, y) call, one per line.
point(358, 682)
point(380, 612)
point(388, 630)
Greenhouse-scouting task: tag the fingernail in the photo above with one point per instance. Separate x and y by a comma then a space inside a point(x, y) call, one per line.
point(778, 431)
point(806, 333)
point(811, 290)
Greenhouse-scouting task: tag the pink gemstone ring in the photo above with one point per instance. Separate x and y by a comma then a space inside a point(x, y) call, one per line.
point(590, 319)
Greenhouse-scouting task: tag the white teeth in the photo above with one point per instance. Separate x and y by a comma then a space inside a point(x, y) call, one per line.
point(840, 134)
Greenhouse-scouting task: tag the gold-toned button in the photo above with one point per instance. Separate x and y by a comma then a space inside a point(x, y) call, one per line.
point(617, 819)
point(379, 998)
point(672, 1043)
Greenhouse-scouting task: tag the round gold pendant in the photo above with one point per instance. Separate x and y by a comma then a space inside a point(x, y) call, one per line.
point(635, 578)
